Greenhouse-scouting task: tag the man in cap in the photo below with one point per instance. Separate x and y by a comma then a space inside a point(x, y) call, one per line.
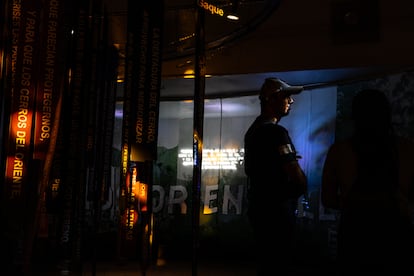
point(275, 178)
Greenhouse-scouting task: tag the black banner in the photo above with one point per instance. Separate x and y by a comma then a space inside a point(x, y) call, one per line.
point(50, 75)
point(21, 71)
point(144, 54)
point(141, 110)
point(72, 187)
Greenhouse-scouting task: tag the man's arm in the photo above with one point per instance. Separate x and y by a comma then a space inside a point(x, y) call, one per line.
point(297, 177)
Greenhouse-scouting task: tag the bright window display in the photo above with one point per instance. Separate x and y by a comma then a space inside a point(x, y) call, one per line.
point(223, 189)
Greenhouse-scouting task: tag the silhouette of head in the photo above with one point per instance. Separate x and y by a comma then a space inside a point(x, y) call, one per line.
point(275, 86)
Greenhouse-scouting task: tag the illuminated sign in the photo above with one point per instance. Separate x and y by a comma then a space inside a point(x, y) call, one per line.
point(215, 159)
point(211, 8)
point(231, 199)
point(142, 196)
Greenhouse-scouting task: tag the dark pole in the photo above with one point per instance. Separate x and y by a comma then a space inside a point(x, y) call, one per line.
point(199, 90)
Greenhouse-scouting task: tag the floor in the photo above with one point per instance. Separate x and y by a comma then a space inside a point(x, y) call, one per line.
point(211, 267)
point(176, 269)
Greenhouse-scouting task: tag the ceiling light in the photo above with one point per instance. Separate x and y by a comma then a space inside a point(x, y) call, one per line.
point(233, 15)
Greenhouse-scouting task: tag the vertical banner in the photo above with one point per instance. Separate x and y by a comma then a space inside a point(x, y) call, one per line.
point(49, 96)
point(93, 91)
point(130, 214)
point(71, 187)
point(33, 85)
point(111, 59)
point(101, 108)
point(141, 110)
point(144, 32)
point(3, 108)
point(22, 66)
point(51, 75)
point(136, 209)
point(100, 119)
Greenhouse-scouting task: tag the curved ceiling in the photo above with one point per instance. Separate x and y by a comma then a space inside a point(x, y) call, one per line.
point(180, 23)
point(259, 21)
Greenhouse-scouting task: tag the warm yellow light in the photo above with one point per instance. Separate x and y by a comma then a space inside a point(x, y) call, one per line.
point(189, 74)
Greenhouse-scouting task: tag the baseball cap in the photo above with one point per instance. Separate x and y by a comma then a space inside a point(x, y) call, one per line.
point(276, 85)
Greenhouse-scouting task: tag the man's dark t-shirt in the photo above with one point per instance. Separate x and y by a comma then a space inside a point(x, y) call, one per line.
point(267, 147)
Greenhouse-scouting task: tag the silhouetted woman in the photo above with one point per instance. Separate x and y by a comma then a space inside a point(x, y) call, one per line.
point(369, 178)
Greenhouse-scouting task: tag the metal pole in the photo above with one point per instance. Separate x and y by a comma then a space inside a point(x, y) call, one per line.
point(199, 91)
